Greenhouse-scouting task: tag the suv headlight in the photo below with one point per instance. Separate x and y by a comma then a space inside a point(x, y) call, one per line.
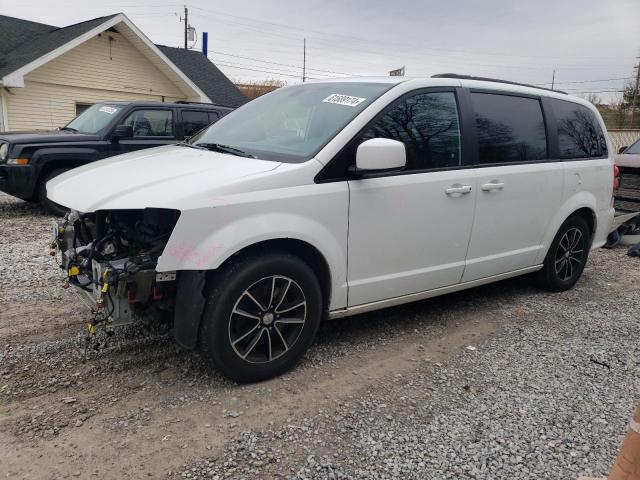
point(4, 149)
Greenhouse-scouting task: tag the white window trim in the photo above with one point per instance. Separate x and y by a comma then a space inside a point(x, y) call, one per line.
point(4, 127)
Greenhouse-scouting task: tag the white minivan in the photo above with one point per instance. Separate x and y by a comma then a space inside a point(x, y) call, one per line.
point(334, 198)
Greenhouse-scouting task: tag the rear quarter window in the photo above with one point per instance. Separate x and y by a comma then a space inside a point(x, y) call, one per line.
point(579, 132)
point(195, 120)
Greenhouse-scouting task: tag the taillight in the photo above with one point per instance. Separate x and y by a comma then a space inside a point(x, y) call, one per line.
point(616, 178)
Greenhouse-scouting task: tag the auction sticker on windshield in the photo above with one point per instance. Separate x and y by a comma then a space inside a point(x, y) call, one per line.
point(347, 100)
point(109, 110)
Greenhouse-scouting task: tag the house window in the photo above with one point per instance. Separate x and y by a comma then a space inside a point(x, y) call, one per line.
point(81, 107)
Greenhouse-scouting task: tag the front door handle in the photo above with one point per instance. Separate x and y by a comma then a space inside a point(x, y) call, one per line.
point(488, 187)
point(458, 189)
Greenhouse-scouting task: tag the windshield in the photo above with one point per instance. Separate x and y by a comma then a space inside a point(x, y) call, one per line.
point(634, 149)
point(292, 124)
point(94, 118)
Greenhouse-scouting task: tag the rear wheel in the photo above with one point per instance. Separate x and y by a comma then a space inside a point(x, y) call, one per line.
point(50, 206)
point(262, 314)
point(567, 256)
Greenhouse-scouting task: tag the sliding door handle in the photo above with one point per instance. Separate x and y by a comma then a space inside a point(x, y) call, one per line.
point(488, 187)
point(458, 189)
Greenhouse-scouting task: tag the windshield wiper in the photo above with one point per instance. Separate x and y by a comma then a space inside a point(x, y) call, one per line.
point(218, 147)
point(70, 129)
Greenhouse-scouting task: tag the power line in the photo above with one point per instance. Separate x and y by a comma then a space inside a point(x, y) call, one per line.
point(586, 81)
point(322, 73)
point(264, 71)
point(276, 63)
point(594, 91)
point(342, 46)
point(297, 69)
point(369, 40)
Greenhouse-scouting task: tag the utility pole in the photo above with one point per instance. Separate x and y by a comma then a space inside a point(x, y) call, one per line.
point(553, 79)
point(304, 60)
point(186, 25)
point(634, 99)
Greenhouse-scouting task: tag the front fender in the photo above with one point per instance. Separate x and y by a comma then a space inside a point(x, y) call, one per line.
point(76, 156)
point(203, 239)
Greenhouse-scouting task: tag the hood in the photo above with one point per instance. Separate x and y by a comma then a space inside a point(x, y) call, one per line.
point(46, 136)
point(629, 160)
point(172, 176)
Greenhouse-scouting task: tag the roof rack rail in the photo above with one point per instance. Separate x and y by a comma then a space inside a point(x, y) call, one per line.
point(187, 102)
point(495, 80)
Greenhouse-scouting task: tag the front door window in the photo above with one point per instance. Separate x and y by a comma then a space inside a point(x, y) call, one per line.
point(428, 126)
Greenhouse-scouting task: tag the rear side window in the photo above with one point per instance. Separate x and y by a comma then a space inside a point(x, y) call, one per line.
point(194, 121)
point(509, 128)
point(579, 132)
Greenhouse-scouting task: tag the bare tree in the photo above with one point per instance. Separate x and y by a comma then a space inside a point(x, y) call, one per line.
point(593, 98)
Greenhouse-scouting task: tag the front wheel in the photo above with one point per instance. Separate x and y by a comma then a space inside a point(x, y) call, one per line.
point(262, 313)
point(567, 256)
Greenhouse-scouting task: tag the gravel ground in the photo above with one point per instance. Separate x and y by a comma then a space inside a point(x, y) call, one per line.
point(548, 397)
point(503, 381)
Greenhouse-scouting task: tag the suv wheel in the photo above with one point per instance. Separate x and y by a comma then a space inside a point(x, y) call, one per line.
point(566, 257)
point(262, 314)
point(50, 206)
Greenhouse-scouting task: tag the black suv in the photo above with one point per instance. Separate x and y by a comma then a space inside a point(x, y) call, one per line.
point(29, 159)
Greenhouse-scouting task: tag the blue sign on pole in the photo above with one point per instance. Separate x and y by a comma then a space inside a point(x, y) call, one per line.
point(205, 38)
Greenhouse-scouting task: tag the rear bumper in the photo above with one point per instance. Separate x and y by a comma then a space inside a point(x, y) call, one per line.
point(18, 180)
point(628, 195)
point(604, 226)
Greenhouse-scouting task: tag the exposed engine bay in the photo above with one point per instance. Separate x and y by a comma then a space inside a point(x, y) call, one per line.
point(111, 256)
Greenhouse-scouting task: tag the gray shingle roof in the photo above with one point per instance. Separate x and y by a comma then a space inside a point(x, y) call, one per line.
point(23, 41)
point(206, 76)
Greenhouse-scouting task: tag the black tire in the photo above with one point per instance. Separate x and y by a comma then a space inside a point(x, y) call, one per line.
point(50, 206)
point(562, 270)
point(222, 334)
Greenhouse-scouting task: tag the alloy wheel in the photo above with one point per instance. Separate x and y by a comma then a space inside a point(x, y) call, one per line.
point(267, 319)
point(570, 254)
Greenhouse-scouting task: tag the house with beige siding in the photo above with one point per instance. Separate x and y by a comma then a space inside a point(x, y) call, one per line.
point(48, 75)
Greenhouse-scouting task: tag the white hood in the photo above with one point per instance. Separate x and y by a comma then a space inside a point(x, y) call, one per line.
point(165, 177)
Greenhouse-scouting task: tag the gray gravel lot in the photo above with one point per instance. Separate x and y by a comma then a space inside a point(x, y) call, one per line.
point(548, 397)
point(544, 392)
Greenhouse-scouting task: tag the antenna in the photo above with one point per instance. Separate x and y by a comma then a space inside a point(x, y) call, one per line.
point(304, 59)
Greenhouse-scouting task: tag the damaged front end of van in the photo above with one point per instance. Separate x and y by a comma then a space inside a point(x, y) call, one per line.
point(111, 257)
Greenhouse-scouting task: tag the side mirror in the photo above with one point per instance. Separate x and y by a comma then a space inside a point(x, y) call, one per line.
point(380, 154)
point(622, 149)
point(122, 131)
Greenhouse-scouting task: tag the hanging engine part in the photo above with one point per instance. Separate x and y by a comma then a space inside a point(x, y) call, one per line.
point(111, 257)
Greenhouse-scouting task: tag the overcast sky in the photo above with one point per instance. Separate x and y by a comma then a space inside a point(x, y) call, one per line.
point(586, 41)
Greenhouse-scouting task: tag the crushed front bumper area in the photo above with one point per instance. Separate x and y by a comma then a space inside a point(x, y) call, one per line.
point(114, 271)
